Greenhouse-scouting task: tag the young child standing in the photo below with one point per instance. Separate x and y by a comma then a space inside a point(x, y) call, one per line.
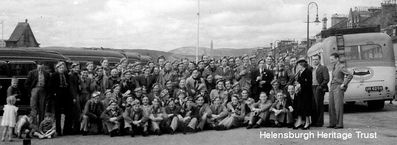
point(9, 117)
point(13, 88)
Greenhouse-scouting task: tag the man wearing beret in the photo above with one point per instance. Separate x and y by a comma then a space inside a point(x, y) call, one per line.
point(62, 100)
point(91, 115)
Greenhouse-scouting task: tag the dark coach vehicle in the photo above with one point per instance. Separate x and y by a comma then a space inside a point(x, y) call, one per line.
point(84, 55)
point(17, 62)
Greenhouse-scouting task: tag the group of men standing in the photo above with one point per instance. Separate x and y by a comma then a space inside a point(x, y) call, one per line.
point(58, 92)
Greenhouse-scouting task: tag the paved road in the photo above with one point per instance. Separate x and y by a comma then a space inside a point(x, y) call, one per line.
point(357, 118)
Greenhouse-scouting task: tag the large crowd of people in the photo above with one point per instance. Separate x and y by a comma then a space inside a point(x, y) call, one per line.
point(179, 96)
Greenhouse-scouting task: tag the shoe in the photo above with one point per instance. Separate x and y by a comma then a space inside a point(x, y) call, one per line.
point(256, 126)
point(330, 126)
point(132, 134)
point(158, 132)
point(189, 129)
point(2, 139)
point(296, 127)
point(145, 133)
point(84, 133)
point(338, 127)
point(198, 130)
point(183, 129)
point(306, 127)
point(249, 126)
point(113, 133)
point(220, 127)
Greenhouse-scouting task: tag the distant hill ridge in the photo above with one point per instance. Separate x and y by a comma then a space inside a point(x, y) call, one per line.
point(190, 50)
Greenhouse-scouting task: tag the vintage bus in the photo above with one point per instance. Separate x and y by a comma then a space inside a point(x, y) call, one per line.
point(370, 58)
point(17, 62)
point(84, 55)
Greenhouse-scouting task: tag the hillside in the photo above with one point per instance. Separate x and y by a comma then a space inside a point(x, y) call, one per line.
point(154, 54)
point(215, 52)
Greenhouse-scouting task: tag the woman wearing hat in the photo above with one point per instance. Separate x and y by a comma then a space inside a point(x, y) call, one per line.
point(303, 101)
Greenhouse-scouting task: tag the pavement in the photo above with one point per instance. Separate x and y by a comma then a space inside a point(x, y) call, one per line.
point(362, 126)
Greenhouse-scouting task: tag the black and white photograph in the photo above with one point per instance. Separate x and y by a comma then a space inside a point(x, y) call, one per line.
point(192, 72)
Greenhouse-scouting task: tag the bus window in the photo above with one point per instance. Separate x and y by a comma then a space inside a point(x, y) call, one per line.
point(371, 52)
point(21, 69)
point(351, 53)
point(4, 70)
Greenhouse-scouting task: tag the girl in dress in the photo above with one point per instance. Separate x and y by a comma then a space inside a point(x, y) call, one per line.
point(9, 117)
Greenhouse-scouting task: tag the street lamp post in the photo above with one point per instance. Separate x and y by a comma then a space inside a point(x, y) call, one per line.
point(316, 21)
point(198, 31)
point(275, 44)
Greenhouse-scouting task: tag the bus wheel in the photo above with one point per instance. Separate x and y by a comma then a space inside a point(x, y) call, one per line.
point(376, 105)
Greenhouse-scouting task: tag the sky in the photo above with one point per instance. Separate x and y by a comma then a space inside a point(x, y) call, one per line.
point(168, 24)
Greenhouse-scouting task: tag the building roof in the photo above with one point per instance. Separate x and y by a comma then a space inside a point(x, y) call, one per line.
point(19, 30)
point(341, 24)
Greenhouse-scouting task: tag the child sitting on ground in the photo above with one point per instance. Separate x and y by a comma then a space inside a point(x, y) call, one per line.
point(46, 128)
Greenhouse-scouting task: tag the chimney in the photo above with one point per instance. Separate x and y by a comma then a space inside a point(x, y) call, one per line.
point(26, 20)
point(325, 23)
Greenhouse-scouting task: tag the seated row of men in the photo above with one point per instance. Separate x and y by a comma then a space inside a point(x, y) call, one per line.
point(183, 114)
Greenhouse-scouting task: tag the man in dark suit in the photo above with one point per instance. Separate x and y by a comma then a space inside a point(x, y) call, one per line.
point(340, 79)
point(320, 81)
point(62, 100)
point(261, 79)
point(37, 83)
